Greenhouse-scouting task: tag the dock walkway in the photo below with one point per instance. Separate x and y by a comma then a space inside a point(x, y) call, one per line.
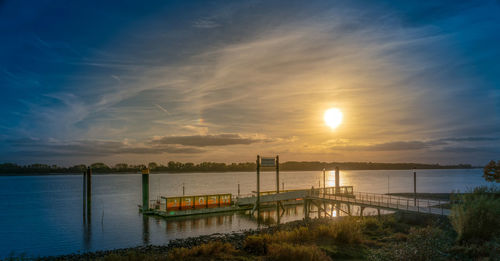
point(330, 195)
point(381, 201)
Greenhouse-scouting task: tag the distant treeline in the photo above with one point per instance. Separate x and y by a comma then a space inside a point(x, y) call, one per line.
point(172, 166)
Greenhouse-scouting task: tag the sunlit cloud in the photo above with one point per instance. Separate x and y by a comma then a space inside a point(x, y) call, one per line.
point(256, 77)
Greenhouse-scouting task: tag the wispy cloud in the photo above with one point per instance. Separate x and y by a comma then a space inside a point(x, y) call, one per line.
point(403, 79)
point(94, 148)
point(205, 23)
point(208, 140)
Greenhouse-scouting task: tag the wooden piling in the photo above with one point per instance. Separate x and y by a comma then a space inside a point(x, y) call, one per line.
point(89, 194)
point(324, 181)
point(277, 174)
point(337, 180)
point(414, 186)
point(258, 183)
point(84, 196)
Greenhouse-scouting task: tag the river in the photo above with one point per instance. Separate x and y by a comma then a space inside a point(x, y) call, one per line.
point(42, 215)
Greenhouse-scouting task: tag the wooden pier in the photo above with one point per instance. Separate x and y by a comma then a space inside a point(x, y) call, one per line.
point(337, 197)
point(379, 201)
point(343, 197)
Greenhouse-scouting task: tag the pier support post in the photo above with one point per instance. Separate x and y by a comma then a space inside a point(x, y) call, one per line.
point(145, 189)
point(337, 180)
point(337, 185)
point(277, 174)
point(306, 209)
point(89, 194)
point(84, 196)
point(361, 213)
point(414, 187)
point(258, 183)
point(324, 181)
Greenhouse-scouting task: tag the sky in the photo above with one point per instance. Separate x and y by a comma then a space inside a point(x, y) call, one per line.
point(223, 81)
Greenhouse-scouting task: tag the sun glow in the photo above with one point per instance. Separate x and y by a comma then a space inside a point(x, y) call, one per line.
point(333, 117)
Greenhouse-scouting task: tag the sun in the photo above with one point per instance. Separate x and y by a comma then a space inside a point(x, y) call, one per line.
point(333, 117)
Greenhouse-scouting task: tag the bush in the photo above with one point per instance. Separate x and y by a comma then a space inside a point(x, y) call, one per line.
point(476, 215)
point(256, 245)
point(295, 236)
point(347, 231)
point(288, 252)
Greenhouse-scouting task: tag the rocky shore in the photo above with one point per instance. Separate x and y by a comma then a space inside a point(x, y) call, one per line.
point(235, 238)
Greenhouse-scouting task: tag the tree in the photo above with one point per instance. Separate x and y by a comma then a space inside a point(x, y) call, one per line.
point(121, 166)
point(491, 171)
point(152, 165)
point(100, 167)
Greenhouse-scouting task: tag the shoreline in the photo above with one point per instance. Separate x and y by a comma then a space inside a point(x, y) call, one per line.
point(23, 174)
point(236, 238)
point(343, 238)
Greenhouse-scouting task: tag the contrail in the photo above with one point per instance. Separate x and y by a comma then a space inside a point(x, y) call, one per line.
point(161, 108)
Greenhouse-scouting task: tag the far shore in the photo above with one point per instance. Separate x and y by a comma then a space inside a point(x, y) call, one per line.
point(16, 174)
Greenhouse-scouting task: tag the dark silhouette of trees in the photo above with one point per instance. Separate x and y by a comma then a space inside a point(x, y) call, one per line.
point(175, 167)
point(491, 171)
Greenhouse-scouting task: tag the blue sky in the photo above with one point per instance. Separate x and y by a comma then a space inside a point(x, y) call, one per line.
point(222, 81)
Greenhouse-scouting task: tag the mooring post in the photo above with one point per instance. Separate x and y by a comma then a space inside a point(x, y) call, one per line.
point(324, 181)
point(337, 186)
point(89, 194)
point(414, 186)
point(277, 174)
point(306, 208)
point(238, 189)
point(258, 182)
point(337, 180)
point(84, 196)
point(145, 189)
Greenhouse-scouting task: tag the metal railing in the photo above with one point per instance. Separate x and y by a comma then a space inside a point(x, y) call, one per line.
point(385, 201)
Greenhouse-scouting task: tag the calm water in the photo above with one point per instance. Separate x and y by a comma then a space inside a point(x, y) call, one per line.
point(42, 215)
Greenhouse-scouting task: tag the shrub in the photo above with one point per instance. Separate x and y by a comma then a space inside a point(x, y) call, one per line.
point(371, 224)
point(295, 236)
point(475, 216)
point(287, 252)
point(348, 231)
point(256, 245)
